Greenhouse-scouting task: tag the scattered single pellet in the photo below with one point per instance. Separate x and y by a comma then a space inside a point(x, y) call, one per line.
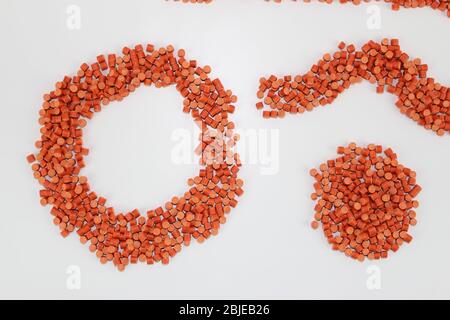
point(365, 201)
point(441, 5)
point(383, 64)
point(31, 158)
point(129, 237)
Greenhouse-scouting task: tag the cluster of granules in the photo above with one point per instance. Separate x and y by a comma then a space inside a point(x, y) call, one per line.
point(365, 201)
point(442, 5)
point(159, 234)
point(193, 1)
point(384, 64)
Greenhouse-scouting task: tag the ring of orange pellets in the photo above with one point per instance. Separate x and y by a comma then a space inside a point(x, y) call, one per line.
point(384, 64)
point(159, 234)
point(365, 201)
point(441, 5)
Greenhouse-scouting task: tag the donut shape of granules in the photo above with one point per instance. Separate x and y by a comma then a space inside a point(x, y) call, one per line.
point(158, 234)
point(365, 201)
point(441, 5)
point(383, 64)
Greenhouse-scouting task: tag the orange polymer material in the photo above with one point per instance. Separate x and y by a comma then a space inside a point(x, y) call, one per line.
point(159, 234)
point(365, 201)
point(381, 63)
point(442, 5)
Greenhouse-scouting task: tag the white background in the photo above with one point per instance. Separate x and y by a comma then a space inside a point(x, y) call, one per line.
point(266, 249)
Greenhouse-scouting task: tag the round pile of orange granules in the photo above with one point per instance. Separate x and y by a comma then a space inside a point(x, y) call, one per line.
point(158, 234)
point(365, 201)
point(384, 64)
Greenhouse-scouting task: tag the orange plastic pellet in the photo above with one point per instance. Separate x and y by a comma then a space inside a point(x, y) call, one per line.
point(129, 237)
point(382, 63)
point(31, 158)
point(363, 214)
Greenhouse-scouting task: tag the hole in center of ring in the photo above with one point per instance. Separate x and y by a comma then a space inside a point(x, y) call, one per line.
point(141, 149)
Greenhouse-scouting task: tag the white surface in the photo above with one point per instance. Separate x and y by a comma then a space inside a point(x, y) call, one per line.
point(266, 249)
